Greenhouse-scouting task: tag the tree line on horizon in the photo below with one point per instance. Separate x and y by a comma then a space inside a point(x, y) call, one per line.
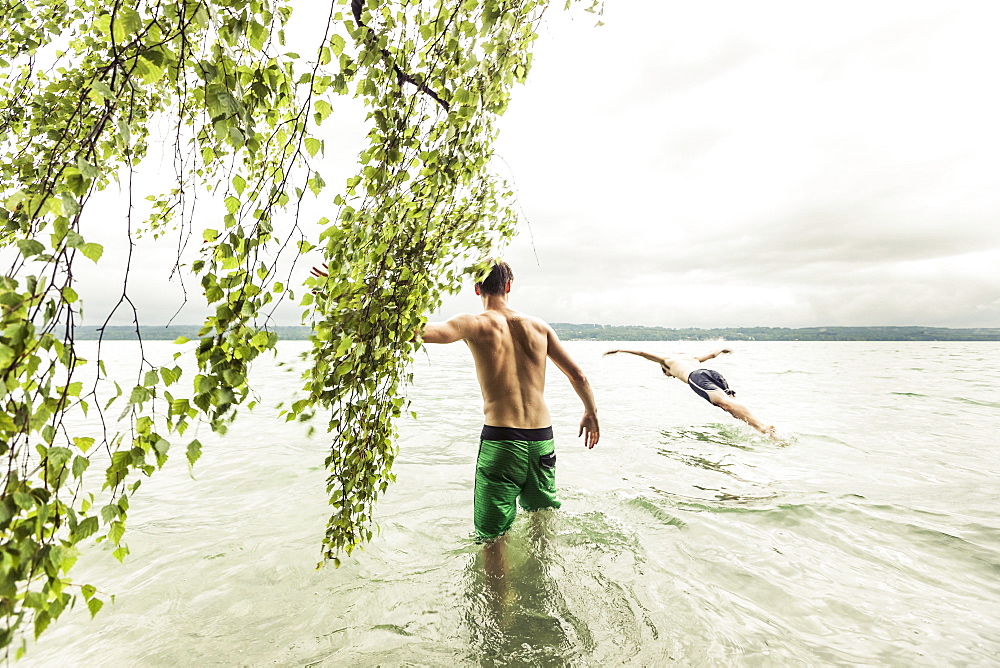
point(595, 332)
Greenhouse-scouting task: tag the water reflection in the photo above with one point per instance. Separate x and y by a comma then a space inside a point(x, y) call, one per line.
point(717, 460)
point(719, 502)
point(517, 614)
point(734, 437)
point(700, 462)
point(568, 595)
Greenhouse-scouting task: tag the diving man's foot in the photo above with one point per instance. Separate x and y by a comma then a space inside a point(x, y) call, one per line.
point(772, 433)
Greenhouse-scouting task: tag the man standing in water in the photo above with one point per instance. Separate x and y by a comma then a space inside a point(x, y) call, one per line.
point(516, 450)
point(706, 383)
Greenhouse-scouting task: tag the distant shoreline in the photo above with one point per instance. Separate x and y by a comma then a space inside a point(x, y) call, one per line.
point(594, 332)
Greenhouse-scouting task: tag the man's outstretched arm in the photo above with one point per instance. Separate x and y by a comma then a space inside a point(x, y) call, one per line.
point(651, 357)
point(705, 358)
point(589, 427)
point(453, 329)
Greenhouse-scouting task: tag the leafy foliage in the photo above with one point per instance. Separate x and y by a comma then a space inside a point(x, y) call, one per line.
point(83, 85)
point(422, 200)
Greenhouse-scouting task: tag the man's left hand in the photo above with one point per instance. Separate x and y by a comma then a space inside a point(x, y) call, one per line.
point(590, 430)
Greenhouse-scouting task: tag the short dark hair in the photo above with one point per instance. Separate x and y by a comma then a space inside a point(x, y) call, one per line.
point(496, 282)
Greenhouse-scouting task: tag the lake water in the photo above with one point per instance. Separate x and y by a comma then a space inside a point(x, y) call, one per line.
point(873, 538)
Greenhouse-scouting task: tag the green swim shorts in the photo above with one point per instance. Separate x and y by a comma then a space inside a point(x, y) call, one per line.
point(512, 463)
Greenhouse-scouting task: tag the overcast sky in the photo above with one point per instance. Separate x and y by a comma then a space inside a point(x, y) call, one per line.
point(737, 163)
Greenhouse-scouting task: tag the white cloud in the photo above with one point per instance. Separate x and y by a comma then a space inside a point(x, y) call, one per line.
point(734, 164)
point(790, 164)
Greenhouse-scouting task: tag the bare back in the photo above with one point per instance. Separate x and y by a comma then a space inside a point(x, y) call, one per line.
point(680, 367)
point(510, 350)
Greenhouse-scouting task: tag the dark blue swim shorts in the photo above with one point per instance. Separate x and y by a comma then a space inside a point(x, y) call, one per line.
point(703, 381)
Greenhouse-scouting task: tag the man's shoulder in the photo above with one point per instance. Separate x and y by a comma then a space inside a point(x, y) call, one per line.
point(480, 322)
point(460, 319)
point(535, 322)
point(534, 318)
point(466, 323)
point(510, 315)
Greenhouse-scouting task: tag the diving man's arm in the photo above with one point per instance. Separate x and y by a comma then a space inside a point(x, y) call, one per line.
point(704, 358)
point(649, 356)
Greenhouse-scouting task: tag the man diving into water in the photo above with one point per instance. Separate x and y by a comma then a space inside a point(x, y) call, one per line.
point(706, 383)
point(516, 450)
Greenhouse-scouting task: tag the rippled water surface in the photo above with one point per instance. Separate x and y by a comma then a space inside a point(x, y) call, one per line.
point(872, 538)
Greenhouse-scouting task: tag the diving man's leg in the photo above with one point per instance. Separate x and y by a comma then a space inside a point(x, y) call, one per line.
point(739, 411)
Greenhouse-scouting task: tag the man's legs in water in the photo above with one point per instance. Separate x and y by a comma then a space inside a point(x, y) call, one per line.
point(739, 411)
point(500, 590)
point(495, 559)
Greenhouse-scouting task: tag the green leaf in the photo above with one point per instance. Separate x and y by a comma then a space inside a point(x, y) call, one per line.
point(42, 620)
point(193, 452)
point(92, 251)
point(109, 512)
point(94, 605)
point(128, 22)
point(80, 465)
point(116, 532)
point(316, 184)
point(344, 345)
point(85, 529)
point(83, 442)
point(74, 239)
point(323, 111)
point(7, 356)
point(151, 378)
point(29, 247)
point(86, 169)
point(337, 44)
point(169, 375)
point(102, 90)
point(23, 500)
point(139, 395)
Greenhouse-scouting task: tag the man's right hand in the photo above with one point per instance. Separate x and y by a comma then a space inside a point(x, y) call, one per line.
point(590, 430)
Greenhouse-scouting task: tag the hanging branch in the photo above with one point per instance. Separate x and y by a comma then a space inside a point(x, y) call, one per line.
point(82, 87)
point(357, 6)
